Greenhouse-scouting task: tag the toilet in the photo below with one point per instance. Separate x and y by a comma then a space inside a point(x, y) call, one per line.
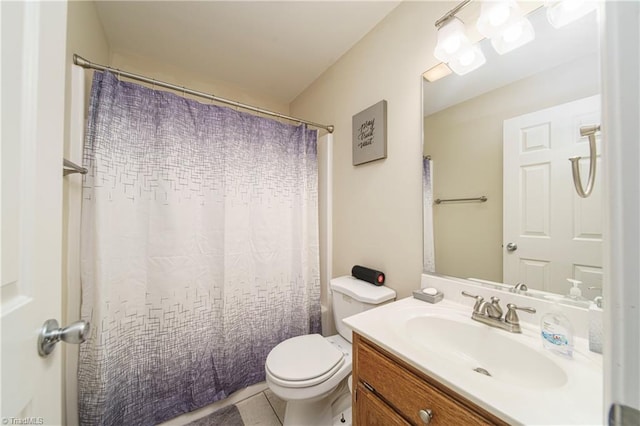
point(311, 372)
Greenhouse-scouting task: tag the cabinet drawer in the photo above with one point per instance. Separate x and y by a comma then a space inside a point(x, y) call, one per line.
point(374, 412)
point(407, 393)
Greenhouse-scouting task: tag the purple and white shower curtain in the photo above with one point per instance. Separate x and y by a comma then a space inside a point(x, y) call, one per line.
point(199, 251)
point(428, 253)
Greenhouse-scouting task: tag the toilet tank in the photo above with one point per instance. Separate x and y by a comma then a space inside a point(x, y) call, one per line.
point(351, 296)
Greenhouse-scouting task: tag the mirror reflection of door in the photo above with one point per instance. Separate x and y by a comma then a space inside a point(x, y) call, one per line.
point(558, 235)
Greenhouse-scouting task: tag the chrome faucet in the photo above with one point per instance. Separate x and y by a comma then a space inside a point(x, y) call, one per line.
point(490, 313)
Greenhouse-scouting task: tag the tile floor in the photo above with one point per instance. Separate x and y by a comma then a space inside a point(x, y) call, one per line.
point(258, 406)
point(263, 409)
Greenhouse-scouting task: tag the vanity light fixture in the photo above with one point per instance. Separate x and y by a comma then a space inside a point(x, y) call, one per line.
point(504, 23)
point(561, 13)
point(455, 48)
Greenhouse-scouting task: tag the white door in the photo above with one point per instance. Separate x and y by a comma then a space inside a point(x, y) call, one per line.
point(550, 233)
point(621, 110)
point(33, 79)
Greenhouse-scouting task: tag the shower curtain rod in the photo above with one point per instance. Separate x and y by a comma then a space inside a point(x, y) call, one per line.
point(84, 63)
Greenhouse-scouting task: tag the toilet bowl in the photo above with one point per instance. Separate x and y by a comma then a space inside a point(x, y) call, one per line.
point(311, 372)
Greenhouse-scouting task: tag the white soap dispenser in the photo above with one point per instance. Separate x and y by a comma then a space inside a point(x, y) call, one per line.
point(556, 330)
point(575, 292)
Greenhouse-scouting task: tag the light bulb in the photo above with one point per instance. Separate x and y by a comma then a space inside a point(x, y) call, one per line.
point(512, 33)
point(451, 39)
point(513, 36)
point(451, 45)
point(564, 12)
point(467, 58)
point(499, 14)
point(496, 16)
point(570, 5)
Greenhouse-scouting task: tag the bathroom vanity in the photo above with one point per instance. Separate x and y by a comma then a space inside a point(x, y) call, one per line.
point(388, 391)
point(421, 363)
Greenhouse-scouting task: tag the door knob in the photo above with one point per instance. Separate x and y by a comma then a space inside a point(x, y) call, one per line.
point(512, 247)
point(51, 333)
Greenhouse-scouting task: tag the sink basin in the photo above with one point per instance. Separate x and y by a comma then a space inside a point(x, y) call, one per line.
point(484, 350)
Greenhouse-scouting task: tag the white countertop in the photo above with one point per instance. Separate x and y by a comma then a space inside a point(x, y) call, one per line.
point(579, 401)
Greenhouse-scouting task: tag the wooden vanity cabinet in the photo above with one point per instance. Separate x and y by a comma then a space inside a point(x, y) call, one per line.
point(388, 391)
point(372, 411)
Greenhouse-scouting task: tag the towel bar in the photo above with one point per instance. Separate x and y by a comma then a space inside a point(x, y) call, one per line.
point(69, 167)
point(481, 199)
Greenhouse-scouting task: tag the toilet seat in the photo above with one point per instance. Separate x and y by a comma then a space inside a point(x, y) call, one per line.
point(303, 361)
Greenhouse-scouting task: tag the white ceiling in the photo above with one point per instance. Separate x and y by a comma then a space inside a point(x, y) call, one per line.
point(272, 48)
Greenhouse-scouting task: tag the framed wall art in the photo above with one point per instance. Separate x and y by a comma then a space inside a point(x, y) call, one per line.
point(370, 134)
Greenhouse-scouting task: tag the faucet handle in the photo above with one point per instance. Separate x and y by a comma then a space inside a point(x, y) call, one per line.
point(512, 317)
point(479, 301)
point(464, 293)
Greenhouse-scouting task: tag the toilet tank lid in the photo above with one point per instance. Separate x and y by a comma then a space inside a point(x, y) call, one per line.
point(362, 291)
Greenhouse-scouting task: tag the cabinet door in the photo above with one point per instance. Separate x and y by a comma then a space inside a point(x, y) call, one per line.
point(372, 411)
point(408, 392)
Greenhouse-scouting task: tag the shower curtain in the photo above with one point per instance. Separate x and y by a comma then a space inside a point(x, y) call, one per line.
point(428, 260)
point(199, 251)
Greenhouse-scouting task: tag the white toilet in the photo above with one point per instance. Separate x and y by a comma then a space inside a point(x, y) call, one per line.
point(310, 372)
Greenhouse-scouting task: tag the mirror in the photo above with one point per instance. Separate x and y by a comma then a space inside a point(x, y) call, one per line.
point(505, 132)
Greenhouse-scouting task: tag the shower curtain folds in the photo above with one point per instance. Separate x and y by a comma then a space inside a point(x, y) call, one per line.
point(199, 251)
point(428, 259)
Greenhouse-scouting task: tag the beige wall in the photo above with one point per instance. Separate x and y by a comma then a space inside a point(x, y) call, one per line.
point(172, 73)
point(377, 207)
point(465, 145)
point(86, 38)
